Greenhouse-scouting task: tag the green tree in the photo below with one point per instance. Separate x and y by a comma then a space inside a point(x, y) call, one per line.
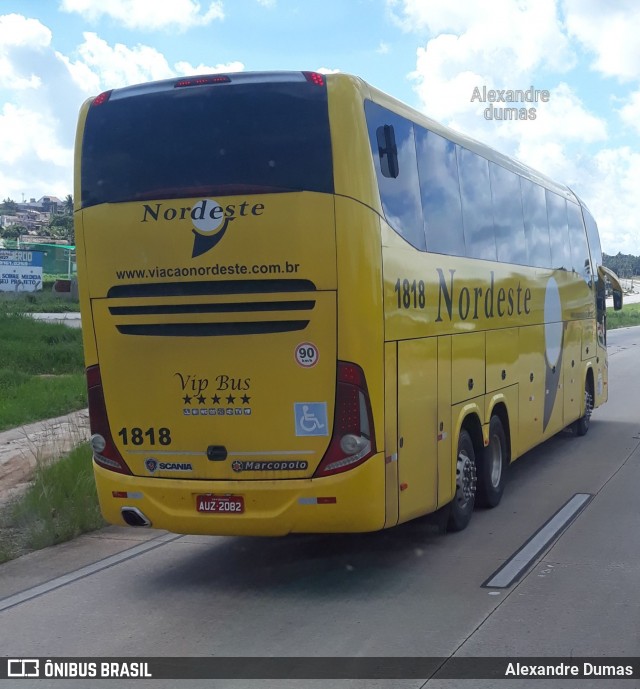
point(67, 205)
point(13, 231)
point(8, 207)
point(61, 227)
point(624, 265)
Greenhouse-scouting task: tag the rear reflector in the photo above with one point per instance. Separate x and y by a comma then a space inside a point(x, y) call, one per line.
point(317, 501)
point(123, 494)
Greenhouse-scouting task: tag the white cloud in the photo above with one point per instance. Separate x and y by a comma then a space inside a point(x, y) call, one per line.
point(438, 16)
point(147, 14)
point(38, 111)
point(610, 30)
point(82, 75)
point(506, 44)
point(509, 36)
point(187, 69)
point(37, 124)
point(267, 3)
point(18, 37)
point(383, 48)
point(31, 155)
point(450, 67)
point(630, 112)
point(24, 130)
point(497, 44)
point(120, 65)
point(609, 184)
point(565, 118)
point(104, 66)
point(326, 70)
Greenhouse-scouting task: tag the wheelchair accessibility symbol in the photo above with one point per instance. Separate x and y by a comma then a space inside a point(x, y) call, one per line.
point(311, 418)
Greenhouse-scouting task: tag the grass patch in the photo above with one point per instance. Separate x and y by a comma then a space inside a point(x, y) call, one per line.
point(630, 315)
point(34, 398)
point(61, 504)
point(41, 370)
point(36, 302)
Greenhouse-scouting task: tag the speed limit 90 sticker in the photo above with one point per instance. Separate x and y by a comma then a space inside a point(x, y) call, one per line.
point(307, 354)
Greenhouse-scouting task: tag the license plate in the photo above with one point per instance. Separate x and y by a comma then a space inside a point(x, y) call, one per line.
point(227, 504)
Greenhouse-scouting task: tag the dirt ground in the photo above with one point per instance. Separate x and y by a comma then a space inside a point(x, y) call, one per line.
point(22, 449)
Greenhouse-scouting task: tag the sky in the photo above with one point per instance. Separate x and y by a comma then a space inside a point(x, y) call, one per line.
point(431, 54)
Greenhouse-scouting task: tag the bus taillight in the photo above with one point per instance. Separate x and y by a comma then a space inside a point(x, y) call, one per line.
point(101, 99)
point(353, 440)
point(202, 81)
point(314, 78)
point(105, 453)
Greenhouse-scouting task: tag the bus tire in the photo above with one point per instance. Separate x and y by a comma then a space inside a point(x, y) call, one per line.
point(492, 467)
point(461, 507)
point(581, 426)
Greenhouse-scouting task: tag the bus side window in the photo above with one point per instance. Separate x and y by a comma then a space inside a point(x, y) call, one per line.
point(558, 232)
point(508, 215)
point(440, 193)
point(536, 224)
point(579, 248)
point(393, 150)
point(477, 213)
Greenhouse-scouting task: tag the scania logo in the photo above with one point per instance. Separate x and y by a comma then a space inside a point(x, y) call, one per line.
point(151, 464)
point(210, 219)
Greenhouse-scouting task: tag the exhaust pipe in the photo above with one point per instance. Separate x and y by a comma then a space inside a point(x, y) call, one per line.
point(134, 517)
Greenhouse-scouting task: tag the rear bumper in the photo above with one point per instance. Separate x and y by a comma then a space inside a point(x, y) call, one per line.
point(272, 508)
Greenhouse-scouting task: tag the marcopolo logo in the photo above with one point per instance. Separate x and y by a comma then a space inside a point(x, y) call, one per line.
point(210, 219)
point(292, 465)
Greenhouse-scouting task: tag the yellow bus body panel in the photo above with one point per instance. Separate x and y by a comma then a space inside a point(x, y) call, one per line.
point(444, 342)
point(272, 508)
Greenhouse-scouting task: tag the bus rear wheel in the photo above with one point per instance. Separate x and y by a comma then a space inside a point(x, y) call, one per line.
point(461, 507)
point(492, 468)
point(581, 426)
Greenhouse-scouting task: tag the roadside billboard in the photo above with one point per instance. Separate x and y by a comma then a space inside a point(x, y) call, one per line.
point(20, 271)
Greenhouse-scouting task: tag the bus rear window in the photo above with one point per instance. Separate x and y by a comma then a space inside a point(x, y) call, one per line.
point(216, 139)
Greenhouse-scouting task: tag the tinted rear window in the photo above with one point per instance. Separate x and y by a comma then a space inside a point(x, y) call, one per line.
point(215, 139)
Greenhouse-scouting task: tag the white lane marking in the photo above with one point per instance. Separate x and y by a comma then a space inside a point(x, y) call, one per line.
point(41, 589)
point(521, 560)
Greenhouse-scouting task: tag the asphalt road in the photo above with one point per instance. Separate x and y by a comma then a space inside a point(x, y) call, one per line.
point(411, 591)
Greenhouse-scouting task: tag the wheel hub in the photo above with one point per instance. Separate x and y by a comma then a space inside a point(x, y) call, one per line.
point(466, 478)
point(588, 403)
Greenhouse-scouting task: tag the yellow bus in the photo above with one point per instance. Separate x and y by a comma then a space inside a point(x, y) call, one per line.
point(309, 308)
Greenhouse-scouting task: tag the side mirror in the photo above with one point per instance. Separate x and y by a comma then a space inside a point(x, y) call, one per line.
point(616, 288)
point(617, 300)
point(388, 151)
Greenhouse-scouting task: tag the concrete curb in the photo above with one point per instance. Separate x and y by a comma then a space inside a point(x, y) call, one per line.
point(70, 318)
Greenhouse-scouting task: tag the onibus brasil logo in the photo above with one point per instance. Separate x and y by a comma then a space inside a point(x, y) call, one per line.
point(209, 218)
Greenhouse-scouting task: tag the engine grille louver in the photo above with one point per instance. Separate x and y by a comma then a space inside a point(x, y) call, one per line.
point(157, 291)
